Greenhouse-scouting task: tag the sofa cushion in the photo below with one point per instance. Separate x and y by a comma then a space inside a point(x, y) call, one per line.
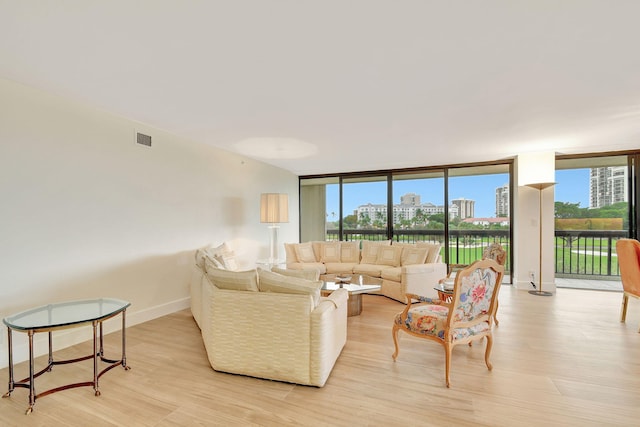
point(372, 270)
point(389, 255)
point(370, 250)
point(350, 252)
point(304, 252)
point(313, 266)
point(393, 274)
point(302, 274)
point(228, 260)
point(434, 251)
point(340, 267)
point(329, 252)
point(290, 252)
point(232, 280)
point(269, 281)
point(216, 263)
point(413, 255)
point(211, 252)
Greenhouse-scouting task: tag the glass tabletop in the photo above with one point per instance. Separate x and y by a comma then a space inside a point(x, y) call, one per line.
point(65, 314)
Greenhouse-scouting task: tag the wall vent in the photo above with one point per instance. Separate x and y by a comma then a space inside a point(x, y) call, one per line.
point(143, 139)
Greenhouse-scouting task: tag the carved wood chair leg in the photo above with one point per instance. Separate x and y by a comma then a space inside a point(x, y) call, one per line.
point(447, 363)
point(394, 332)
point(487, 352)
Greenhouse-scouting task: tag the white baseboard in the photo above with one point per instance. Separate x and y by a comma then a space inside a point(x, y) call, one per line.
point(68, 337)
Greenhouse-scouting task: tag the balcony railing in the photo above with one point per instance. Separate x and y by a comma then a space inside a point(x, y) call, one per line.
point(586, 254)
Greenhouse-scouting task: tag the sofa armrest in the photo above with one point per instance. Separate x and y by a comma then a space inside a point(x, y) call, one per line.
point(337, 298)
point(328, 335)
point(421, 278)
point(434, 267)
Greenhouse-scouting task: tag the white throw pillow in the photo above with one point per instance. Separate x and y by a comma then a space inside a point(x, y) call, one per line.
point(370, 250)
point(413, 255)
point(389, 255)
point(350, 252)
point(304, 252)
point(330, 252)
point(233, 280)
point(434, 251)
point(290, 252)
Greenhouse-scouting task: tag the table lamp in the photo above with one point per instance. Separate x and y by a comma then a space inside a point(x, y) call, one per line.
point(274, 209)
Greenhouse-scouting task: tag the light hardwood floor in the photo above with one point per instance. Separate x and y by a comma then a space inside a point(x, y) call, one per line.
point(561, 360)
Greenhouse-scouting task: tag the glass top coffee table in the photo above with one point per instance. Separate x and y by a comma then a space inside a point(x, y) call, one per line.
point(53, 317)
point(355, 284)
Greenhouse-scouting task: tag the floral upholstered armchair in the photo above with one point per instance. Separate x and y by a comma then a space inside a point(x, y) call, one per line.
point(467, 318)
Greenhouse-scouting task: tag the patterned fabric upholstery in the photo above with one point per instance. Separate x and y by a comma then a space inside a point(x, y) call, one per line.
point(425, 319)
point(475, 297)
point(475, 292)
point(466, 318)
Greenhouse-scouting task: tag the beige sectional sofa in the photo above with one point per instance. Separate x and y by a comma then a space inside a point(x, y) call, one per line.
point(266, 324)
point(404, 267)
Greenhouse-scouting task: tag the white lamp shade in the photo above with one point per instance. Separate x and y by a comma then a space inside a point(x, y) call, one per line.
point(274, 208)
point(537, 169)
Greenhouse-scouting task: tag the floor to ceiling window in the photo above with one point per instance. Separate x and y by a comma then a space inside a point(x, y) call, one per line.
point(365, 208)
point(592, 206)
point(464, 207)
point(479, 211)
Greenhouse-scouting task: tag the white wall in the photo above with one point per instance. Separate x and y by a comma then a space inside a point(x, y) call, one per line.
point(527, 232)
point(86, 212)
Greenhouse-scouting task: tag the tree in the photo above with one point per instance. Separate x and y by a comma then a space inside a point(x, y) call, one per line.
point(568, 210)
point(350, 221)
point(364, 221)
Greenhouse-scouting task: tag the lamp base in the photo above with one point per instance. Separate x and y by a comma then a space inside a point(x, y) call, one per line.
point(541, 293)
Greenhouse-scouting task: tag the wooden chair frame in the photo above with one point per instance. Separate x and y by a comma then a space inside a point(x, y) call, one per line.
point(447, 341)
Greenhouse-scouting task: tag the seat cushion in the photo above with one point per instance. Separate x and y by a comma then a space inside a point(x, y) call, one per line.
point(372, 270)
point(339, 267)
point(432, 319)
point(425, 319)
point(317, 266)
point(393, 273)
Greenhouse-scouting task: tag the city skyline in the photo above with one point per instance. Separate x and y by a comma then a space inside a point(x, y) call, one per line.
point(572, 186)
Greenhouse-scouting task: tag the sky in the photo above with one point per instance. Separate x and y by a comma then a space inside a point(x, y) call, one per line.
point(572, 186)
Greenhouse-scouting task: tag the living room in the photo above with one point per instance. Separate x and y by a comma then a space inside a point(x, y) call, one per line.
point(88, 212)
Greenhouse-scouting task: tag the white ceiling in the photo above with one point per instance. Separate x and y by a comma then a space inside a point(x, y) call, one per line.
point(345, 85)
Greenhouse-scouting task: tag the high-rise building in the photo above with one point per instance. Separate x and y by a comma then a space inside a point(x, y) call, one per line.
point(607, 185)
point(466, 207)
point(502, 201)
